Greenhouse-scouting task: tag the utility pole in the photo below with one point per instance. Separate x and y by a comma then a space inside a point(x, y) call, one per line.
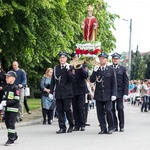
point(129, 54)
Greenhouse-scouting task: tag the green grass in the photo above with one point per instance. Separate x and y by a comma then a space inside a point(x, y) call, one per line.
point(34, 103)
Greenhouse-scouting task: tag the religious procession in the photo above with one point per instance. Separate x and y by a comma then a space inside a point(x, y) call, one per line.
point(74, 86)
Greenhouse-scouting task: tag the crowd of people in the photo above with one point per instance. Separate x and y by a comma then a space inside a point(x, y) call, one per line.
point(68, 91)
point(139, 94)
point(73, 92)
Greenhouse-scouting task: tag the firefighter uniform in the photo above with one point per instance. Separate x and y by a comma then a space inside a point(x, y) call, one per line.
point(61, 83)
point(122, 91)
point(11, 100)
point(105, 92)
point(78, 102)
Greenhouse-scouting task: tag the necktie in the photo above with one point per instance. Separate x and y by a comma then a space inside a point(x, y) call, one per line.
point(62, 67)
point(115, 67)
point(103, 68)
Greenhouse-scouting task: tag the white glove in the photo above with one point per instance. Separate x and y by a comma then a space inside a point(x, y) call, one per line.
point(125, 97)
point(96, 68)
point(1, 107)
point(113, 98)
point(3, 103)
point(67, 66)
point(51, 96)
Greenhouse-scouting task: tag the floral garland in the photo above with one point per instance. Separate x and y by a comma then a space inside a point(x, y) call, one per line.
point(85, 52)
point(88, 48)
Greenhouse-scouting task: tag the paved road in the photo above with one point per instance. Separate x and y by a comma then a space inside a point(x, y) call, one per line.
point(43, 137)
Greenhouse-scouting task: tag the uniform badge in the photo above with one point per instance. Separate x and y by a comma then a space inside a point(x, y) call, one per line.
point(98, 79)
point(17, 92)
point(11, 95)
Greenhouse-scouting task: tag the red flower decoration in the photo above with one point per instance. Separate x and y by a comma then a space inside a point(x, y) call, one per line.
point(85, 52)
point(78, 51)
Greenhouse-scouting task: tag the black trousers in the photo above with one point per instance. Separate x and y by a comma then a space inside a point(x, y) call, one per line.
point(118, 113)
point(78, 104)
point(10, 120)
point(86, 111)
point(26, 104)
point(47, 113)
point(63, 107)
point(105, 115)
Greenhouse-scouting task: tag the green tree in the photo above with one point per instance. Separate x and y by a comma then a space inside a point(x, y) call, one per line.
point(140, 65)
point(104, 17)
point(34, 31)
point(146, 62)
point(136, 64)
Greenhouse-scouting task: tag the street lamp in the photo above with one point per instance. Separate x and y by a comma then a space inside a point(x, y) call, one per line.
point(129, 53)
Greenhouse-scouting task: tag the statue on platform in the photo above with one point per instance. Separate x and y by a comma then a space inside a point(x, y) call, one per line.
point(89, 26)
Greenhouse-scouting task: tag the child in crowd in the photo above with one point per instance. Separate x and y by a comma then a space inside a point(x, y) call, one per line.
point(136, 96)
point(11, 104)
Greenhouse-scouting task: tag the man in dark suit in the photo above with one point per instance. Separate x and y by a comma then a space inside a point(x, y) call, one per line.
point(122, 92)
point(105, 92)
point(61, 83)
point(79, 89)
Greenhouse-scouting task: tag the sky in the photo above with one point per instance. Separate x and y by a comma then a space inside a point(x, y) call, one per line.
point(138, 11)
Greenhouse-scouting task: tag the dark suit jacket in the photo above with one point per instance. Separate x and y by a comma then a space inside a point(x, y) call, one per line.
point(122, 81)
point(79, 84)
point(61, 82)
point(107, 87)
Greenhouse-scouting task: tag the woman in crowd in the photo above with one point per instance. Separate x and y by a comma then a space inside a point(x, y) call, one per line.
point(47, 98)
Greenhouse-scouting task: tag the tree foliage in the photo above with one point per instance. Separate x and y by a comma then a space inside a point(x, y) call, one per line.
point(35, 31)
point(140, 65)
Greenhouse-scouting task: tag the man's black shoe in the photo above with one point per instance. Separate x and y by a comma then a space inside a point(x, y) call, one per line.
point(61, 131)
point(82, 128)
point(111, 131)
point(9, 143)
point(76, 128)
point(116, 129)
point(70, 129)
point(103, 132)
point(122, 130)
point(50, 122)
point(44, 122)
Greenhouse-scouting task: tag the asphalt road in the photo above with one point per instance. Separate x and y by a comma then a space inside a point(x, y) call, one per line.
point(44, 137)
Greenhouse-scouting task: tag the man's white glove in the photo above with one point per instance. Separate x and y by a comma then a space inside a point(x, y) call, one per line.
point(3, 103)
point(113, 98)
point(96, 68)
point(1, 107)
point(67, 66)
point(51, 96)
point(125, 97)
